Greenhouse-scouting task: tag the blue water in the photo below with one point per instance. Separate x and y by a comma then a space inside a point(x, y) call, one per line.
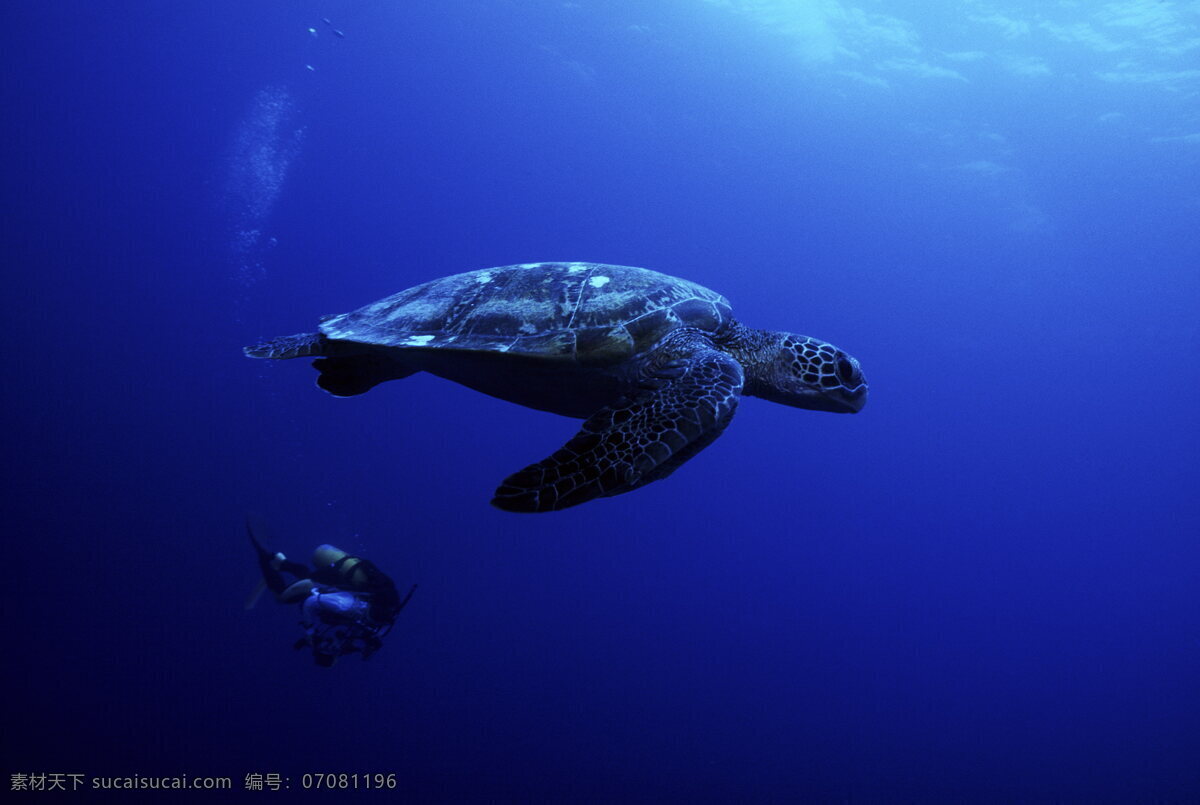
point(982, 588)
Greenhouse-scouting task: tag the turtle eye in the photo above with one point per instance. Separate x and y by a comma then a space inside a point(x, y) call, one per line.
point(845, 371)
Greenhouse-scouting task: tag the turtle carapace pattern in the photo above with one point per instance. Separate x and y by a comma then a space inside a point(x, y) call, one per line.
point(653, 364)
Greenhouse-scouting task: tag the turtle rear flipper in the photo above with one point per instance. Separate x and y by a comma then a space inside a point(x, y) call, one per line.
point(346, 368)
point(300, 345)
point(348, 375)
point(685, 406)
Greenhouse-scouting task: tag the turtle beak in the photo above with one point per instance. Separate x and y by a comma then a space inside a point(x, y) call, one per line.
point(842, 401)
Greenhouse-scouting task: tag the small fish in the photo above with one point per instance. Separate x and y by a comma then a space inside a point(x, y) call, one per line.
point(338, 34)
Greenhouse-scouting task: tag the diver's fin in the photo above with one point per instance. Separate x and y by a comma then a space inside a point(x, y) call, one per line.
point(255, 529)
point(269, 563)
point(256, 594)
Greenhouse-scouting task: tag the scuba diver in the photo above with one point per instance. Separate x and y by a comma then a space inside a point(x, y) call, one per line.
point(348, 604)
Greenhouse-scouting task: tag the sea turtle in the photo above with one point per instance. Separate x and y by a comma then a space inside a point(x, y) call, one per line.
point(654, 364)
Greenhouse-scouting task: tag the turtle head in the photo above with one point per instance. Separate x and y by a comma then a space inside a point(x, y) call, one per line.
point(806, 373)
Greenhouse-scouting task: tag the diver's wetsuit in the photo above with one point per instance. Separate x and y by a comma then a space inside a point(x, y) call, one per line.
point(271, 575)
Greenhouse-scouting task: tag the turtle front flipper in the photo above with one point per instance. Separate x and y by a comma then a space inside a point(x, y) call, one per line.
point(689, 396)
point(346, 368)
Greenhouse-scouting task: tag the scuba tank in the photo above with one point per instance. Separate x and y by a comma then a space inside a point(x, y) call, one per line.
point(340, 569)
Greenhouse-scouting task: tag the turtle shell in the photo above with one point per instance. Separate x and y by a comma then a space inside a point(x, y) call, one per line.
point(586, 312)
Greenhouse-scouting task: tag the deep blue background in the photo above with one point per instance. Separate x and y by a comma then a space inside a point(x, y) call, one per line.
point(984, 587)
